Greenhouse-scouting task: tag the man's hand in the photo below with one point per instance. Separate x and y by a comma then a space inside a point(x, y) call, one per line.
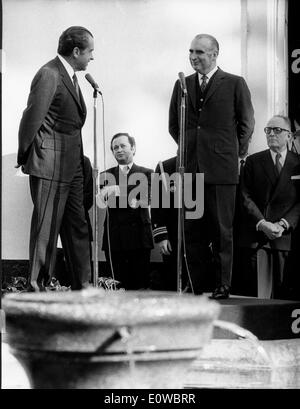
point(271, 230)
point(107, 191)
point(104, 194)
point(165, 247)
point(281, 229)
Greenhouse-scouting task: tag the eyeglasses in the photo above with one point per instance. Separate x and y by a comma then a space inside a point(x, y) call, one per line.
point(276, 130)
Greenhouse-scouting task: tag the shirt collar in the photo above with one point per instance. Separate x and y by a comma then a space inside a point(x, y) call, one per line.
point(283, 156)
point(67, 66)
point(209, 74)
point(128, 164)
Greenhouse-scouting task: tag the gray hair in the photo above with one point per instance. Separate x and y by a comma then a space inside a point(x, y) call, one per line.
point(286, 120)
point(213, 40)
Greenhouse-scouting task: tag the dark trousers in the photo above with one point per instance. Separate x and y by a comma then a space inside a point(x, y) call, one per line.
point(168, 272)
point(200, 271)
point(58, 208)
point(131, 268)
point(244, 280)
point(215, 227)
point(263, 273)
point(193, 277)
point(272, 272)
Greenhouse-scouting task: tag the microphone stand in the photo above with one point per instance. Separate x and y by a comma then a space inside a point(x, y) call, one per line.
point(95, 191)
point(180, 163)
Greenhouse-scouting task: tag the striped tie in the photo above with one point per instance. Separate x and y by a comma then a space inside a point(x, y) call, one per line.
point(277, 163)
point(75, 81)
point(204, 83)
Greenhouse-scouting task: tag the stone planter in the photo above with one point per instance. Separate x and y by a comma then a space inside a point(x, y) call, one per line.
point(105, 339)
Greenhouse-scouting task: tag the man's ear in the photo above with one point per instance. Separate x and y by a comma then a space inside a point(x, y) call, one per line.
point(76, 52)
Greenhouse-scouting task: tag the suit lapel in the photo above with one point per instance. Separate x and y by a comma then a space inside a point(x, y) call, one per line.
point(191, 83)
point(133, 169)
point(82, 103)
point(216, 80)
point(70, 86)
point(269, 168)
point(192, 89)
point(285, 174)
point(115, 172)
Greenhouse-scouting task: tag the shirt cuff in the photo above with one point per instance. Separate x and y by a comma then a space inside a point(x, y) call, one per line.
point(286, 223)
point(259, 223)
point(160, 233)
point(100, 201)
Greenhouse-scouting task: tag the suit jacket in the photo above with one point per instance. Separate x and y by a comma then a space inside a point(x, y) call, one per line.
point(218, 129)
point(88, 193)
point(130, 227)
point(50, 144)
point(267, 196)
point(165, 220)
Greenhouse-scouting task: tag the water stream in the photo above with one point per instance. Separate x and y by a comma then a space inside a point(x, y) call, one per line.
point(248, 363)
point(249, 336)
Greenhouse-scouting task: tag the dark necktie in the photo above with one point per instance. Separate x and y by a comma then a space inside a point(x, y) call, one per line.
point(277, 163)
point(294, 149)
point(75, 81)
point(203, 83)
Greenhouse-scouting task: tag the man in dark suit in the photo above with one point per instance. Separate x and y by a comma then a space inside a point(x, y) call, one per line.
point(62, 269)
point(219, 125)
point(125, 191)
point(50, 151)
point(271, 200)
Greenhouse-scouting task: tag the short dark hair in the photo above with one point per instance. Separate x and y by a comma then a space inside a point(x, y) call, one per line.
point(72, 37)
point(131, 139)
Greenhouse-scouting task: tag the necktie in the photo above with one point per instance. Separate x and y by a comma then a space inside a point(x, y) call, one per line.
point(75, 81)
point(293, 148)
point(204, 83)
point(277, 163)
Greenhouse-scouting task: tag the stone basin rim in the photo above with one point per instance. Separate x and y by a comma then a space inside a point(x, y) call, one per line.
point(94, 307)
point(94, 295)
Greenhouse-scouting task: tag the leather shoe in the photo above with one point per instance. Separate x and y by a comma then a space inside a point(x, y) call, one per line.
point(221, 293)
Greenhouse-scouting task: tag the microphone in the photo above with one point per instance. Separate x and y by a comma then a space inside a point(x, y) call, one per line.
point(182, 82)
point(93, 83)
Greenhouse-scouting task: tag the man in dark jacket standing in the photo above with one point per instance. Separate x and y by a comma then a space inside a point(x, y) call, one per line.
point(50, 151)
point(127, 240)
point(219, 126)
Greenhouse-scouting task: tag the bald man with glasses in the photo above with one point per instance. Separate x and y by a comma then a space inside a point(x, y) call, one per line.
point(271, 200)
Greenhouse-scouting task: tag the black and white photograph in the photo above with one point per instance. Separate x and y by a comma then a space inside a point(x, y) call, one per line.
point(150, 197)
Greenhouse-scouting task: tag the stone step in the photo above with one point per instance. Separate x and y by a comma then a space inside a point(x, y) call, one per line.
point(267, 319)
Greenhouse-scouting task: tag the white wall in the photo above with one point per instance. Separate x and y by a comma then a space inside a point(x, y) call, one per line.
point(140, 46)
point(265, 64)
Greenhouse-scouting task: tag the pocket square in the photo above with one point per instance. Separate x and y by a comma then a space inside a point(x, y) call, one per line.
point(295, 177)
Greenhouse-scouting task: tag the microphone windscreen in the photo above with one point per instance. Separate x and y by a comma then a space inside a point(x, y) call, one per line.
point(182, 81)
point(91, 80)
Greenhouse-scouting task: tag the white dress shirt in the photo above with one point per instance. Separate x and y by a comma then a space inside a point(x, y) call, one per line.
point(209, 75)
point(67, 66)
point(282, 158)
